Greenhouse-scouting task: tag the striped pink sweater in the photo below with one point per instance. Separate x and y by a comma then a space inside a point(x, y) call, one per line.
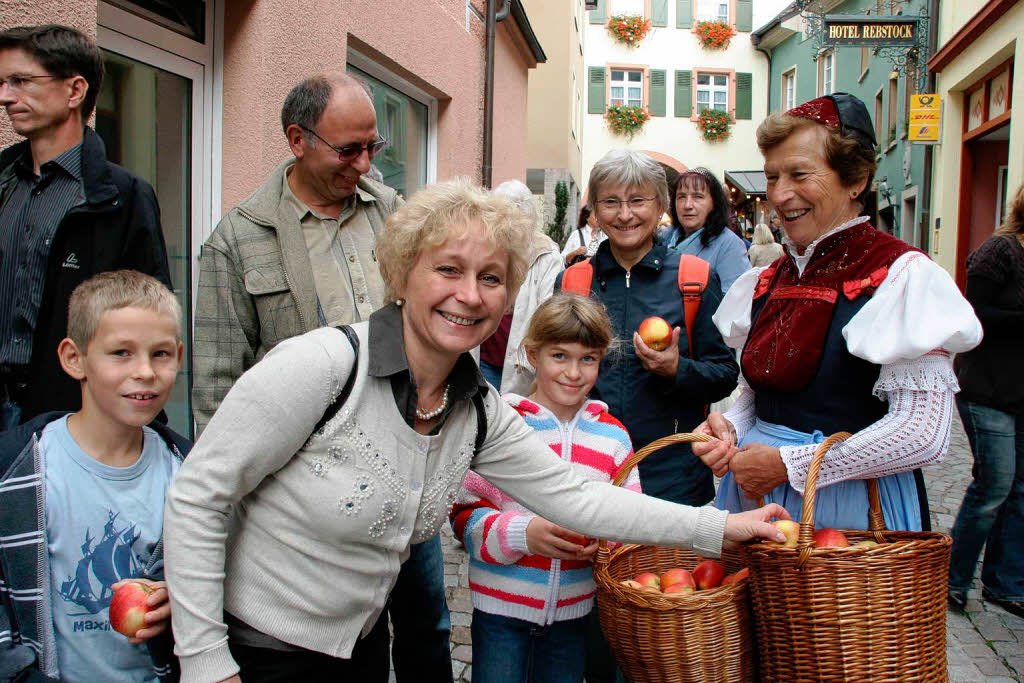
point(503, 576)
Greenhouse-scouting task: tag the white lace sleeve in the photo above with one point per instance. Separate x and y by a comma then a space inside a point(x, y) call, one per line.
point(741, 413)
point(913, 433)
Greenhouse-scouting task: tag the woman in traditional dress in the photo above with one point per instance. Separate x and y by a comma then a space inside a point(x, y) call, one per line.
point(852, 331)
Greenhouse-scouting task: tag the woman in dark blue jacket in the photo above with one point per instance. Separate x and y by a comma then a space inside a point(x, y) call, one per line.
point(653, 393)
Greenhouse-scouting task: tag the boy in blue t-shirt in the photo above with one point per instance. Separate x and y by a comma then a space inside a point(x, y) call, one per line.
point(82, 494)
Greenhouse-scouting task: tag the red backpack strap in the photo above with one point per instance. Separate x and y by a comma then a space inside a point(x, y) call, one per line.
point(693, 278)
point(577, 278)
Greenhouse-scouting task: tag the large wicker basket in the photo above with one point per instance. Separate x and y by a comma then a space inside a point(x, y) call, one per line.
point(703, 636)
point(874, 613)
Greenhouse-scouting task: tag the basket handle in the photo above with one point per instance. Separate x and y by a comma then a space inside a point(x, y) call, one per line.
point(876, 520)
point(638, 457)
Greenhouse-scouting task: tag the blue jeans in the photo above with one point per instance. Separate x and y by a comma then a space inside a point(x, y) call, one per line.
point(419, 615)
point(510, 650)
point(992, 513)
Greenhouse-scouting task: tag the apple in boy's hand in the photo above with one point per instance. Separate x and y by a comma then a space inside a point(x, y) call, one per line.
point(655, 332)
point(128, 608)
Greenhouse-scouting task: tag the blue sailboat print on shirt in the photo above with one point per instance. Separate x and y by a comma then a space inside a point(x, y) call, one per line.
point(111, 560)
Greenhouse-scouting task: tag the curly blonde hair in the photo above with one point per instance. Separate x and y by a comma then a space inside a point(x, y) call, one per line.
point(441, 212)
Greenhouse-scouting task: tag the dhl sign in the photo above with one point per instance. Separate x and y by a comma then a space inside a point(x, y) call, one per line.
point(925, 120)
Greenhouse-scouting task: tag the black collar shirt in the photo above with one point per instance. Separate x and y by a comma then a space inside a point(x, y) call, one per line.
point(29, 217)
point(388, 359)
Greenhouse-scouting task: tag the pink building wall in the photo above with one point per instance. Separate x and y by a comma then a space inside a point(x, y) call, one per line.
point(511, 63)
point(80, 14)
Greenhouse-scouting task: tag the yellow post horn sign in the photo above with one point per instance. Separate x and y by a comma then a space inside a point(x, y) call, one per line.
point(925, 118)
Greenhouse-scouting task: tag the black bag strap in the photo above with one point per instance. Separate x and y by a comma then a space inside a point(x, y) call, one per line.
point(333, 409)
point(583, 242)
point(481, 422)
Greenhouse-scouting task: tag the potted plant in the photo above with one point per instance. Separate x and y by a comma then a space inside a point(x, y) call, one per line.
point(715, 125)
point(714, 35)
point(629, 29)
point(625, 120)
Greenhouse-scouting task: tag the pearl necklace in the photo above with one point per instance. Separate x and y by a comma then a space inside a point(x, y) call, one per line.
point(428, 415)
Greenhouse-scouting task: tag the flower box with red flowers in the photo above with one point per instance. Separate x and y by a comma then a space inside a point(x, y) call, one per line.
point(626, 120)
point(714, 124)
point(714, 35)
point(628, 28)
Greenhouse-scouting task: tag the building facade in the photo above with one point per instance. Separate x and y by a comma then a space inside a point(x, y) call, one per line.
point(192, 97)
point(802, 70)
point(672, 75)
point(554, 144)
point(981, 164)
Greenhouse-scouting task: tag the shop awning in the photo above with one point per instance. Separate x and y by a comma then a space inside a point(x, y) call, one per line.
point(750, 183)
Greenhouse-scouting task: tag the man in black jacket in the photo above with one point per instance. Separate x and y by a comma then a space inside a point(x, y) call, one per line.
point(66, 213)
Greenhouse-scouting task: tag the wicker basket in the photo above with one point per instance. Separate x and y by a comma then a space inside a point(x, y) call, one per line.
point(873, 613)
point(697, 637)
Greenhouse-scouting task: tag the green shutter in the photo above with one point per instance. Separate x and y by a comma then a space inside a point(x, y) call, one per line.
point(657, 99)
point(744, 15)
point(596, 90)
point(684, 13)
point(744, 95)
point(659, 12)
point(683, 94)
point(599, 15)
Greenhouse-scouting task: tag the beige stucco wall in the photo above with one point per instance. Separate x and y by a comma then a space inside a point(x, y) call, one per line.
point(270, 45)
point(80, 14)
point(1000, 42)
point(555, 85)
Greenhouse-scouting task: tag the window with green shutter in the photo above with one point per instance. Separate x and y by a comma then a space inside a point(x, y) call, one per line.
point(596, 90)
point(683, 94)
point(656, 104)
point(599, 15)
point(659, 12)
point(684, 13)
point(744, 95)
point(744, 15)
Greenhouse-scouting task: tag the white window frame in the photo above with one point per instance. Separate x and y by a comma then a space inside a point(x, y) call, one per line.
point(711, 89)
point(140, 39)
point(364, 63)
point(827, 72)
point(625, 84)
point(909, 229)
point(701, 15)
point(789, 81)
point(618, 5)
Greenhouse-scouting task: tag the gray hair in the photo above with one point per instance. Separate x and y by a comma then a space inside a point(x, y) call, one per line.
point(306, 102)
point(519, 194)
point(763, 234)
point(629, 168)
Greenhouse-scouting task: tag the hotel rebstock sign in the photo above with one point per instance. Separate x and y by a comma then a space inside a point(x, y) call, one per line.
point(859, 29)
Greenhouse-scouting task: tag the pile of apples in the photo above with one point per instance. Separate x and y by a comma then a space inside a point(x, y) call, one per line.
point(706, 575)
point(823, 538)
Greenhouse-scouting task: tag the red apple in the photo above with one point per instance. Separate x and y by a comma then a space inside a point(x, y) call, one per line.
point(655, 332)
point(648, 580)
point(128, 608)
point(736, 578)
point(677, 576)
point(679, 588)
point(790, 529)
point(830, 538)
point(708, 574)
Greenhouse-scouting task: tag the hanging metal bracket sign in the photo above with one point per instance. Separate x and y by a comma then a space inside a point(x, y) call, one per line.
point(858, 29)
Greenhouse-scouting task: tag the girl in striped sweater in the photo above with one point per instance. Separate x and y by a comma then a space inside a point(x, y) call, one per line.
point(531, 580)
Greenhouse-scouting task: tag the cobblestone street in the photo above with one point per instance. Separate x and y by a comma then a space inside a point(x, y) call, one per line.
point(985, 645)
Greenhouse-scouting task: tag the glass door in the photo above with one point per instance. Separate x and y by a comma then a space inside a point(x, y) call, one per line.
point(150, 114)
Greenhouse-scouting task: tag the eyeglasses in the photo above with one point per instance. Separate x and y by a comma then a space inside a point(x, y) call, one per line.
point(351, 152)
point(17, 82)
point(635, 204)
